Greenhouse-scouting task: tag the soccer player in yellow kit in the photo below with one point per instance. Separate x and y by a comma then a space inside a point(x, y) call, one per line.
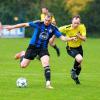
point(44, 12)
point(74, 48)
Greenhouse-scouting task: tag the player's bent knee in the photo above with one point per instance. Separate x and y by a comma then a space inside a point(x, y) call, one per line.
point(45, 60)
point(23, 65)
point(45, 63)
point(79, 58)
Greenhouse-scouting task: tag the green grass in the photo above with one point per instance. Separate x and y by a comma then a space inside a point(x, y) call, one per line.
point(64, 87)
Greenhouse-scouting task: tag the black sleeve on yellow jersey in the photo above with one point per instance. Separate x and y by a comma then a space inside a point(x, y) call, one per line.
point(68, 26)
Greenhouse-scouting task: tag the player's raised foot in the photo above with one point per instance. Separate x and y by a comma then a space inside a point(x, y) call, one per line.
point(18, 55)
point(48, 85)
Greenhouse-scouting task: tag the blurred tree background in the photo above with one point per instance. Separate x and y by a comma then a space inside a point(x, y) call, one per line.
point(17, 11)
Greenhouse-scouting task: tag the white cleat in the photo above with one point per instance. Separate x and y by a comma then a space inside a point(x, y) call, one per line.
point(48, 85)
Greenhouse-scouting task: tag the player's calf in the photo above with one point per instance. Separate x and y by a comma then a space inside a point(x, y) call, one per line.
point(47, 74)
point(57, 49)
point(74, 76)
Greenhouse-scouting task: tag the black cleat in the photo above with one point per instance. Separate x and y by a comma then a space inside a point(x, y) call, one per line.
point(77, 81)
point(74, 76)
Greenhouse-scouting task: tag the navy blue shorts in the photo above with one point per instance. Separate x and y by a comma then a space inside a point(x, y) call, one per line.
point(33, 51)
point(74, 51)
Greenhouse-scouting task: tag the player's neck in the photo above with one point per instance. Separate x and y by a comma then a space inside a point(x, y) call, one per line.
point(73, 26)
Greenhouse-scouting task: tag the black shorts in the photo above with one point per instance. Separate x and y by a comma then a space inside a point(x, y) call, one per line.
point(33, 51)
point(74, 51)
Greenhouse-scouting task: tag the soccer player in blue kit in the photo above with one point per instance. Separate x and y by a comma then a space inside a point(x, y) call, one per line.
point(43, 31)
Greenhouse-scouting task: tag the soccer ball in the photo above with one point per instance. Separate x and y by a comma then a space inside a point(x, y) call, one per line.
point(21, 82)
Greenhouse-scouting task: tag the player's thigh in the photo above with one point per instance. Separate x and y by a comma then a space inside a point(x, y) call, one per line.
point(72, 52)
point(31, 52)
point(45, 60)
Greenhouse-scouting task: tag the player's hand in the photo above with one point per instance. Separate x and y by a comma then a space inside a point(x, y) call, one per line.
point(81, 37)
point(9, 27)
point(74, 38)
point(78, 35)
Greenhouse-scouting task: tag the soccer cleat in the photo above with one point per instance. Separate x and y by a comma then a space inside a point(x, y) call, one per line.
point(18, 55)
point(74, 76)
point(77, 81)
point(58, 51)
point(48, 85)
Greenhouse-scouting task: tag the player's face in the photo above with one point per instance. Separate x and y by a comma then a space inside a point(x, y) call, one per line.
point(44, 10)
point(47, 20)
point(75, 22)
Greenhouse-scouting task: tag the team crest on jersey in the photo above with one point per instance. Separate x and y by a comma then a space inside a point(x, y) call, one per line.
point(50, 30)
point(44, 36)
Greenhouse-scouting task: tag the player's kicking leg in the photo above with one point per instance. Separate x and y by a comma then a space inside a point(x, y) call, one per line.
point(19, 55)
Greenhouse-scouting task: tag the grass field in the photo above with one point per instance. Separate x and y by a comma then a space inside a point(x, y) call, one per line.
point(64, 87)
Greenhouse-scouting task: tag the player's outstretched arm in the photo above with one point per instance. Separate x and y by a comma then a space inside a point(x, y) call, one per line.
point(64, 38)
point(10, 27)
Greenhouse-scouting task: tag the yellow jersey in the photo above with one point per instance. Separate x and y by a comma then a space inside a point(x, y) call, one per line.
point(43, 17)
point(72, 32)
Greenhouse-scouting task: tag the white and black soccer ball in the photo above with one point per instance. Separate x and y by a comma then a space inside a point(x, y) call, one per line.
point(21, 82)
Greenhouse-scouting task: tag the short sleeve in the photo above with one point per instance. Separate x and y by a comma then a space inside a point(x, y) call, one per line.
point(57, 32)
point(62, 29)
point(32, 24)
point(83, 30)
